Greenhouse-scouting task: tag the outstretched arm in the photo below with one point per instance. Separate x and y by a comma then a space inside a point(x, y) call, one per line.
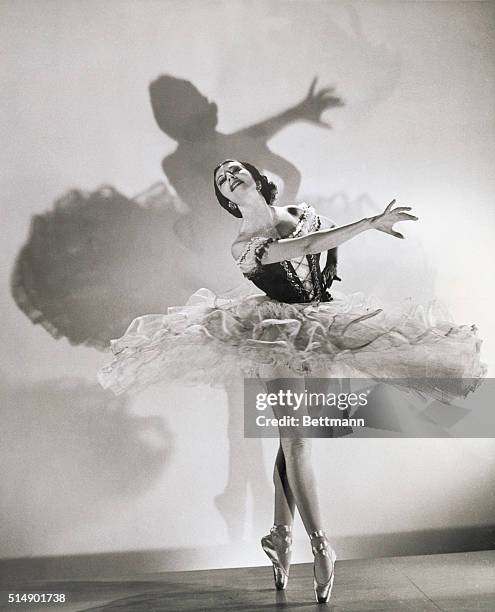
point(309, 109)
point(323, 240)
point(284, 169)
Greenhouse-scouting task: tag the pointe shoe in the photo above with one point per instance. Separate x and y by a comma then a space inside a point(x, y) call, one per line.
point(321, 546)
point(277, 542)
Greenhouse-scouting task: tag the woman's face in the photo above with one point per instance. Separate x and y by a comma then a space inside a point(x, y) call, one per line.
point(234, 181)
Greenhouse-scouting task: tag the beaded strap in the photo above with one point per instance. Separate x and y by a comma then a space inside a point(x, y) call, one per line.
point(314, 224)
point(250, 259)
point(286, 535)
point(302, 219)
point(314, 262)
point(293, 279)
point(320, 547)
point(287, 528)
point(314, 221)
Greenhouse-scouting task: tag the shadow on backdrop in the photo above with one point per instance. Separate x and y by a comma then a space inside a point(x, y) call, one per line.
point(98, 260)
point(70, 453)
point(91, 236)
point(189, 118)
point(246, 475)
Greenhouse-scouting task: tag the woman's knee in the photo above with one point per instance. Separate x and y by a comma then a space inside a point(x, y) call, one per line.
point(296, 447)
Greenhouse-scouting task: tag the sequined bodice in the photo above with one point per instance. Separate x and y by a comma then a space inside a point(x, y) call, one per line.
point(296, 280)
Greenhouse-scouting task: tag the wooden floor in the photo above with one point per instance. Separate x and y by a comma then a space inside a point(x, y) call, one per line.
point(459, 581)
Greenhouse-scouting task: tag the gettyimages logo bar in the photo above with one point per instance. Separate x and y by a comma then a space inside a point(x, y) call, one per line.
point(369, 408)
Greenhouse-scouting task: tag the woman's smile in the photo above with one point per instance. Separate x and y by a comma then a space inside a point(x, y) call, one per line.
point(235, 183)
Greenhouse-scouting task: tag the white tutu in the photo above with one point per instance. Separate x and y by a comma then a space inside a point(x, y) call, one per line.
point(211, 340)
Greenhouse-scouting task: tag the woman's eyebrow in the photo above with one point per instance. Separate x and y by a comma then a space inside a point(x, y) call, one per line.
point(223, 169)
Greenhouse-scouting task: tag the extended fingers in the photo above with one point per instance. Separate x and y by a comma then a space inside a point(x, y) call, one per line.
point(324, 124)
point(312, 87)
point(328, 93)
point(326, 90)
point(389, 207)
point(331, 101)
point(404, 216)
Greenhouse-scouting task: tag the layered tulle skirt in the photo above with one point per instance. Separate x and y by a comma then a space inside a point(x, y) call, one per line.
point(212, 340)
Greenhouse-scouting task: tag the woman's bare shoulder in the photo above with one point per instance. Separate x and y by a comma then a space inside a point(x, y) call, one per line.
point(292, 210)
point(238, 247)
point(296, 211)
point(286, 220)
point(245, 247)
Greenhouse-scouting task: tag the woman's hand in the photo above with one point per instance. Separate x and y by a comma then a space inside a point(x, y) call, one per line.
point(315, 104)
point(391, 215)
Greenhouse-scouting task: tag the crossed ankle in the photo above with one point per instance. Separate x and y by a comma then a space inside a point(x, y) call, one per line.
point(319, 542)
point(282, 534)
point(318, 533)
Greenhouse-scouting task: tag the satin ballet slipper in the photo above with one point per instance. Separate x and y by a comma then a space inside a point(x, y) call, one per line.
point(277, 542)
point(321, 546)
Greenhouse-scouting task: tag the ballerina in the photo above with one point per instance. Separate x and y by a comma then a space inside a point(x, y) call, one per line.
point(296, 329)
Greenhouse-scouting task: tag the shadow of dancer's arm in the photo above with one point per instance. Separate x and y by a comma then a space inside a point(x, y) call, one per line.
point(285, 170)
point(309, 109)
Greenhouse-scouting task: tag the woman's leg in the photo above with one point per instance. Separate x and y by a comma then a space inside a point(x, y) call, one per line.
point(296, 450)
point(301, 478)
point(285, 502)
point(283, 515)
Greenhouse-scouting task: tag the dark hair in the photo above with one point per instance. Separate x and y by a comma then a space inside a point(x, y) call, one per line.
point(268, 189)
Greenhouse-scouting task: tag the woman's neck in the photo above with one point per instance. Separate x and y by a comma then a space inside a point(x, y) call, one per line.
point(257, 218)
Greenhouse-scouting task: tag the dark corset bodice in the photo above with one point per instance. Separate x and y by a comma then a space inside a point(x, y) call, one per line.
point(280, 280)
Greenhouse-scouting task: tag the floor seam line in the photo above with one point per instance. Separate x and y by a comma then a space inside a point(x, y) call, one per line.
point(421, 591)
